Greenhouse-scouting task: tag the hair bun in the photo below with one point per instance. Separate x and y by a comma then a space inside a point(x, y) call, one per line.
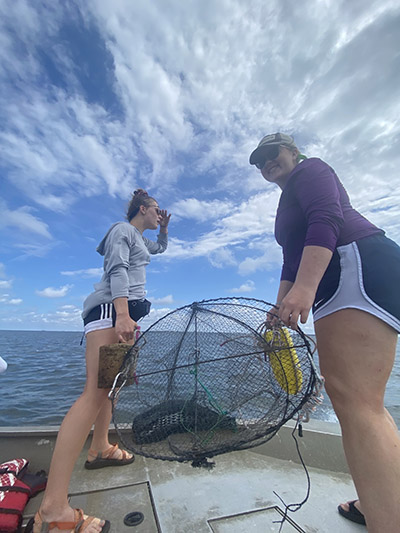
point(140, 192)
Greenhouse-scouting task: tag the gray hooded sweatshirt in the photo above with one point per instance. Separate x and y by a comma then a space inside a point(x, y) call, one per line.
point(126, 254)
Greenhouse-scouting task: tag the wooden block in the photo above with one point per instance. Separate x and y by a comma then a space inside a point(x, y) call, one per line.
point(111, 357)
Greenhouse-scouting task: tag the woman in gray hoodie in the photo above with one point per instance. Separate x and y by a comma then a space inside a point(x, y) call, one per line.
point(110, 316)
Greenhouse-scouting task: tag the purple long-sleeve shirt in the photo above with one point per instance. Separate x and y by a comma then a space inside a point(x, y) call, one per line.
point(314, 210)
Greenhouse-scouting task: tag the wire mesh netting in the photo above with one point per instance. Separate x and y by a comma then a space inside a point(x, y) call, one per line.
point(211, 378)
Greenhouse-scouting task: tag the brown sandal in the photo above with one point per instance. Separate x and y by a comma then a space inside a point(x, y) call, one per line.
point(105, 459)
point(80, 524)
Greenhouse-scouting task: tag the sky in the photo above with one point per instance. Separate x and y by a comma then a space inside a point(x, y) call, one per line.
point(98, 98)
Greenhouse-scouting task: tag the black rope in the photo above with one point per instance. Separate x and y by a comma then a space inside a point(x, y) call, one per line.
point(293, 507)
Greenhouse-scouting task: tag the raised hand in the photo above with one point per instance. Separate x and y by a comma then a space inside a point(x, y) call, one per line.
point(164, 218)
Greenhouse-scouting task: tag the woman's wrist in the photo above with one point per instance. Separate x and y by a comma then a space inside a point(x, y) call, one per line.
point(121, 307)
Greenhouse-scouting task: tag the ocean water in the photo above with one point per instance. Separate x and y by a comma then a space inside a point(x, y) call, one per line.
point(46, 373)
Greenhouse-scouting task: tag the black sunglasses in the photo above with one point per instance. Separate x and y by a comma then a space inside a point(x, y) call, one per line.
point(270, 153)
point(158, 210)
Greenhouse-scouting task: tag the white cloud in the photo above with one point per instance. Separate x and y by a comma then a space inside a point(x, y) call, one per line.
point(200, 210)
point(5, 284)
point(222, 258)
point(248, 286)
point(153, 316)
point(180, 95)
point(23, 220)
point(68, 314)
point(270, 259)
point(11, 319)
point(195, 85)
point(5, 298)
point(252, 219)
point(51, 292)
point(163, 301)
point(34, 250)
point(85, 273)
point(59, 319)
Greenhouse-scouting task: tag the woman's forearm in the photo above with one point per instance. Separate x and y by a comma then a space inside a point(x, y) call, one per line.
point(300, 298)
point(314, 262)
point(284, 288)
point(121, 306)
point(124, 325)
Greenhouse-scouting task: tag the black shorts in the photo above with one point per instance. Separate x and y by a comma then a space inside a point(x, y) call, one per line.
point(104, 316)
point(365, 275)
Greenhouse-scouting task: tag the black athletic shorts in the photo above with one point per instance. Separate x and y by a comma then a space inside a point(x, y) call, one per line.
point(103, 316)
point(365, 275)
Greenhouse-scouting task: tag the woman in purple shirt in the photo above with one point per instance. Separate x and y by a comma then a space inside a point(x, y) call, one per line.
point(344, 268)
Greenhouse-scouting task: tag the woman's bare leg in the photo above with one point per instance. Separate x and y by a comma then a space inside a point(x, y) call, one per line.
point(73, 434)
point(345, 505)
point(100, 442)
point(356, 352)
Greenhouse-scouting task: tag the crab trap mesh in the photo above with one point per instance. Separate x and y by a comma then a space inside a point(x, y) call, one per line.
point(210, 378)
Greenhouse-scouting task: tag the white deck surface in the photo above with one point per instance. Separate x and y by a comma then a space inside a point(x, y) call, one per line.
point(237, 496)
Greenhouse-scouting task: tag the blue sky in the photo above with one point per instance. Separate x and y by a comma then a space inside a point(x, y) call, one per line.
point(99, 98)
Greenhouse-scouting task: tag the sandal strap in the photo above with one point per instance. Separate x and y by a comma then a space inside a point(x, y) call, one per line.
point(93, 453)
point(103, 455)
point(71, 526)
point(81, 522)
point(353, 508)
point(110, 451)
point(84, 523)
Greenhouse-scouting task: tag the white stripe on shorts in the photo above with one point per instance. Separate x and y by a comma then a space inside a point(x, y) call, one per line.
point(105, 311)
point(102, 323)
point(350, 293)
point(105, 320)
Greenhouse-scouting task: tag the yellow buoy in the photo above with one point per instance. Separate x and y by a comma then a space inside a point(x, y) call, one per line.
point(284, 361)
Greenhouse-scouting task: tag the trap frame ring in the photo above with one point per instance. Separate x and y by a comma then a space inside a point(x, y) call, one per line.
point(213, 308)
point(260, 331)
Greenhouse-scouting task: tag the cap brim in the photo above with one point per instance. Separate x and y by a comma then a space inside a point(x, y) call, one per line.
point(257, 155)
point(254, 157)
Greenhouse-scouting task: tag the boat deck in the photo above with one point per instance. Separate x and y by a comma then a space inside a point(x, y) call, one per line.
point(236, 496)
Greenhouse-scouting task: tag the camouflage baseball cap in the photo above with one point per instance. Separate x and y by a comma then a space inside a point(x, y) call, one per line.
point(270, 140)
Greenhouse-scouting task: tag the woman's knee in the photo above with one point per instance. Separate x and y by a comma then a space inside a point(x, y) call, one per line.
point(347, 398)
point(94, 395)
point(338, 393)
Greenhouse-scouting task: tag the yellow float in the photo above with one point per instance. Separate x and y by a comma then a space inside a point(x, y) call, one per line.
point(284, 360)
